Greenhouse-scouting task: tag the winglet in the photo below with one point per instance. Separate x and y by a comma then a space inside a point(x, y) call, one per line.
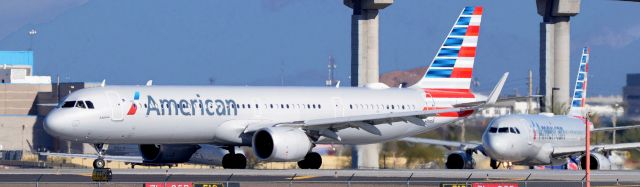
point(149, 83)
point(493, 97)
point(104, 82)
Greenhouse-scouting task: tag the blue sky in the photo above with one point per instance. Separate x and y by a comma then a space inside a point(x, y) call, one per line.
point(257, 42)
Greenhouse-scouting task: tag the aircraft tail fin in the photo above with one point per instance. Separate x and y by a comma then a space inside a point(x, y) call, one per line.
point(452, 67)
point(580, 90)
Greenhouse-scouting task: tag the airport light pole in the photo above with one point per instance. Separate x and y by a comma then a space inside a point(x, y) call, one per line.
point(32, 34)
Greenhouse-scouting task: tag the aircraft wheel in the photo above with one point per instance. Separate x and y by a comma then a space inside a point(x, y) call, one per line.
point(240, 161)
point(494, 164)
point(312, 160)
point(234, 161)
point(98, 163)
point(227, 161)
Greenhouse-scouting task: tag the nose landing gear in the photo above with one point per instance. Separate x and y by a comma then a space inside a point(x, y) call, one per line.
point(99, 162)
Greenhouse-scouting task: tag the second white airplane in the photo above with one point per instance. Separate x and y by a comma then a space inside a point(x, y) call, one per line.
point(543, 139)
point(279, 123)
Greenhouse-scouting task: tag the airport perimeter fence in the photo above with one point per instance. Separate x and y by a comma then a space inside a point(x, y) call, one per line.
point(293, 183)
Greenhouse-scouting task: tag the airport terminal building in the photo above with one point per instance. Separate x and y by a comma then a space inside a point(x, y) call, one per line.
point(25, 100)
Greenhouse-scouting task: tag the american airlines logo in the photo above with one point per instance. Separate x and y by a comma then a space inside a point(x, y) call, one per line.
point(134, 107)
point(192, 107)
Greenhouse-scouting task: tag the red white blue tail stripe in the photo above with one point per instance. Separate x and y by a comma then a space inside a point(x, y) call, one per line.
point(580, 90)
point(452, 67)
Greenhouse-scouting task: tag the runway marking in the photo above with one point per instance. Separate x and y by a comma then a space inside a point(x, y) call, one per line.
point(506, 180)
point(301, 177)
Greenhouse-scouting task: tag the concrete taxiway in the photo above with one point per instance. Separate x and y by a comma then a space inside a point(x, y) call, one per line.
point(430, 176)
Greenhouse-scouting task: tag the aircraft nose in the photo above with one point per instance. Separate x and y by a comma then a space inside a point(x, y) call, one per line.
point(56, 125)
point(496, 146)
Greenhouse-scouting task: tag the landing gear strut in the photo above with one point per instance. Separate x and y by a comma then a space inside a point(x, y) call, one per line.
point(99, 162)
point(312, 160)
point(233, 160)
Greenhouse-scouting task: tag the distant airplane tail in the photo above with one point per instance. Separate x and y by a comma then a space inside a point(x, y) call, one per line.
point(580, 90)
point(452, 67)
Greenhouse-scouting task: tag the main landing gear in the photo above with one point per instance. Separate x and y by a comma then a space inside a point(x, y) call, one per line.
point(312, 160)
point(99, 162)
point(233, 160)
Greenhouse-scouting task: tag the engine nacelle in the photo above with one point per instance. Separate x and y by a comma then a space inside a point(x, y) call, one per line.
point(598, 162)
point(460, 160)
point(152, 153)
point(281, 144)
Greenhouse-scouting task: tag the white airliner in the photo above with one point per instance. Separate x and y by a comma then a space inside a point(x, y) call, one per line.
point(279, 123)
point(542, 139)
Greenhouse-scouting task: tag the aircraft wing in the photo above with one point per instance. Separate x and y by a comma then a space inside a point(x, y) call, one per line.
point(452, 144)
point(328, 126)
point(603, 147)
point(615, 128)
point(128, 159)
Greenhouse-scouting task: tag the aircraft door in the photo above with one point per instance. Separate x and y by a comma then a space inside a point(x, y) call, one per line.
point(430, 103)
point(338, 108)
point(116, 106)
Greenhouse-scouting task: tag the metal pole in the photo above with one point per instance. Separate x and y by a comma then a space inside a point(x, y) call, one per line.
point(530, 92)
point(588, 150)
point(615, 122)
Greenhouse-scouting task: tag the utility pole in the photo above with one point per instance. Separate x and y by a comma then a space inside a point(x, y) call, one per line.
point(588, 150)
point(529, 111)
point(614, 120)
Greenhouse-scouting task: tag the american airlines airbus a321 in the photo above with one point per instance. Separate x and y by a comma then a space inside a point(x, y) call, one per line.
point(542, 139)
point(279, 123)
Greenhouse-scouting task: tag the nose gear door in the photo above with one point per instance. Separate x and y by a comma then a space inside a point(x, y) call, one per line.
point(115, 103)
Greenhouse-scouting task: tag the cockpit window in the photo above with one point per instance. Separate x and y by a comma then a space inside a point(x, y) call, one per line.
point(503, 130)
point(517, 131)
point(512, 130)
point(89, 104)
point(80, 104)
point(493, 130)
point(69, 104)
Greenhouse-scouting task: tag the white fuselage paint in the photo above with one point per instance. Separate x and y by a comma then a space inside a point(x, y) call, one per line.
point(109, 122)
point(539, 135)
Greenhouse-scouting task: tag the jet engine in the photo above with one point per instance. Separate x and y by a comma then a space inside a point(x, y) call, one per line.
point(598, 162)
point(460, 160)
point(281, 144)
point(153, 153)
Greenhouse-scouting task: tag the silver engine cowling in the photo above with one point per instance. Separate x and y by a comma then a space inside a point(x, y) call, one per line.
point(153, 153)
point(281, 144)
point(598, 162)
point(460, 160)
